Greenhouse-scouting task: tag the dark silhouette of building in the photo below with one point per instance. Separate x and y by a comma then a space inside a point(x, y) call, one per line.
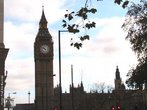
point(29, 106)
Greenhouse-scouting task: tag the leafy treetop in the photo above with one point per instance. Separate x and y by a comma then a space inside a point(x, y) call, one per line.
point(136, 27)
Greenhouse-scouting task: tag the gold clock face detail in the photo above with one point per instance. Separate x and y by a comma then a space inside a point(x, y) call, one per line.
point(44, 49)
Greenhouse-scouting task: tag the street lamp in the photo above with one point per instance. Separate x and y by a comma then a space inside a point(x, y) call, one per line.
point(59, 43)
point(29, 97)
point(11, 93)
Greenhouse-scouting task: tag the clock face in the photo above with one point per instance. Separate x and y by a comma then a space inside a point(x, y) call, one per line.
point(44, 49)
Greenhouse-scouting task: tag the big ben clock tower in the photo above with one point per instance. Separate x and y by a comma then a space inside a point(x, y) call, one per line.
point(43, 56)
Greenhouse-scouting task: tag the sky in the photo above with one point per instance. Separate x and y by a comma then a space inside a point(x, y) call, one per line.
point(95, 62)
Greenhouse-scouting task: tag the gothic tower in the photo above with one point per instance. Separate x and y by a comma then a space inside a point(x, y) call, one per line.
point(3, 55)
point(117, 79)
point(43, 56)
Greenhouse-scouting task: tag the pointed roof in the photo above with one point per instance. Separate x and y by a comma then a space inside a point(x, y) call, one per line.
point(43, 32)
point(82, 84)
point(43, 21)
point(117, 73)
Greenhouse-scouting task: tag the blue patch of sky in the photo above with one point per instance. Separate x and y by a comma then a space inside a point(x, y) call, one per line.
point(18, 22)
point(67, 56)
point(56, 25)
point(14, 20)
point(105, 9)
point(22, 55)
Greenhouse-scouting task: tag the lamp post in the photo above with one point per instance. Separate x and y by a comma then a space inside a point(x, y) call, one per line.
point(29, 97)
point(72, 85)
point(59, 43)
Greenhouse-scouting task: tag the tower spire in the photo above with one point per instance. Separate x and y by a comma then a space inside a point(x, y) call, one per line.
point(42, 6)
point(117, 79)
point(117, 73)
point(43, 21)
point(43, 32)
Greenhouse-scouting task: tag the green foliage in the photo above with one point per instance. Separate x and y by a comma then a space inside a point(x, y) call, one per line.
point(82, 38)
point(136, 27)
point(118, 1)
point(76, 27)
point(82, 15)
point(124, 4)
point(138, 75)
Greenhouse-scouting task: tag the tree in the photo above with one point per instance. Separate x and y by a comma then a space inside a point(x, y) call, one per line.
point(136, 27)
point(137, 75)
point(84, 23)
point(100, 87)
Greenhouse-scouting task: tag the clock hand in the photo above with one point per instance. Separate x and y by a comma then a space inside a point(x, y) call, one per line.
point(44, 48)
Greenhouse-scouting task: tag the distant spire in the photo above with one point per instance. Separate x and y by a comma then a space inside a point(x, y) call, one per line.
point(42, 6)
point(81, 75)
point(117, 73)
point(82, 79)
point(72, 76)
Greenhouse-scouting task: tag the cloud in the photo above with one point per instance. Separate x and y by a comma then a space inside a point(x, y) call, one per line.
point(26, 10)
